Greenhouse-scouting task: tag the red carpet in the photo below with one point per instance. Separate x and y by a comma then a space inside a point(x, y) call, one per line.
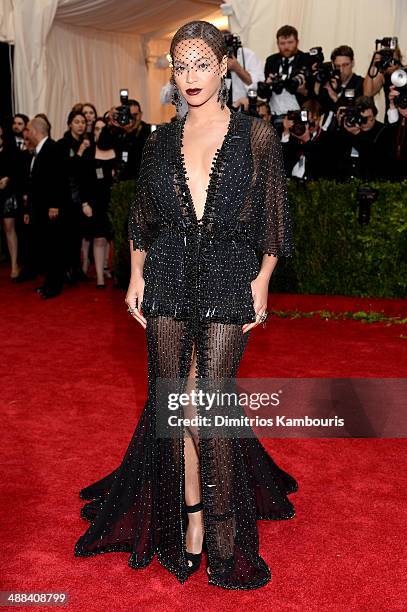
point(74, 382)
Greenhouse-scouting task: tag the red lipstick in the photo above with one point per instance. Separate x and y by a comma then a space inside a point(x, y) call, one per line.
point(193, 92)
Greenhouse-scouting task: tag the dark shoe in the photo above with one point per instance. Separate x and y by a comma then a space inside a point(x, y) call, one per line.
point(39, 289)
point(16, 274)
point(23, 277)
point(101, 286)
point(82, 276)
point(227, 567)
point(71, 278)
point(47, 294)
point(194, 558)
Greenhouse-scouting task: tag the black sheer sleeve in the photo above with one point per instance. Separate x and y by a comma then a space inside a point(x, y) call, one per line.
point(273, 224)
point(143, 218)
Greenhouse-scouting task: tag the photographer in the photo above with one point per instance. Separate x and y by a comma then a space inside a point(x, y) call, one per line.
point(386, 59)
point(397, 117)
point(252, 105)
point(130, 133)
point(244, 68)
point(330, 94)
point(361, 145)
point(305, 145)
point(285, 73)
point(263, 111)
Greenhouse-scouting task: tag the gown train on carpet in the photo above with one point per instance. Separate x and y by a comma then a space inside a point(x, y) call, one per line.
point(140, 506)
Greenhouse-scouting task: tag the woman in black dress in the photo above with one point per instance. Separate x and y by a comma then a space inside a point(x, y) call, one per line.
point(100, 172)
point(9, 198)
point(74, 148)
point(89, 110)
point(198, 288)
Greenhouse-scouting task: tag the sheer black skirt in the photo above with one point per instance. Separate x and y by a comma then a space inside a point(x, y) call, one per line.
point(140, 506)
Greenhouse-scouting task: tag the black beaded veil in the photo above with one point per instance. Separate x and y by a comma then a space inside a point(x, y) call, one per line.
point(198, 46)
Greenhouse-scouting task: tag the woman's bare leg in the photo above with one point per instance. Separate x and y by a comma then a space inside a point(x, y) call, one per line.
point(106, 263)
point(195, 530)
point(12, 244)
point(85, 255)
point(99, 245)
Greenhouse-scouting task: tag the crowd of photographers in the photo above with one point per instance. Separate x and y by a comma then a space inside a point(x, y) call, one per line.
point(55, 195)
point(326, 115)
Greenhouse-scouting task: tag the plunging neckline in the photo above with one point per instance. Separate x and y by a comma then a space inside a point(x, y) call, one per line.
point(211, 175)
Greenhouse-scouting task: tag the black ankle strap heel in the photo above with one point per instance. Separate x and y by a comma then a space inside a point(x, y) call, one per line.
point(194, 558)
point(195, 561)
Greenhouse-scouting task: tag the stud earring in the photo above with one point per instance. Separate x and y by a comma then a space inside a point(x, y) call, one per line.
point(223, 93)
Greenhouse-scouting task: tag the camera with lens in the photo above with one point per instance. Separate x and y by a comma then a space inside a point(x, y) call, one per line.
point(233, 43)
point(122, 114)
point(314, 60)
point(365, 197)
point(252, 97)
point(264, 90)
point(348, 112)
point(399, 79)
point(351, 116)
point(296, 80)
point(315, 56)
point(326, 73)
point(349, 97)
point(290, 83)
point(300, 119)
point(283, 81)
point(385, 48)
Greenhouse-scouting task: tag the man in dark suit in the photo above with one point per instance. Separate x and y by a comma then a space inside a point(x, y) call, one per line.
point(47, 194)
point(364, 150)
point(306, 147)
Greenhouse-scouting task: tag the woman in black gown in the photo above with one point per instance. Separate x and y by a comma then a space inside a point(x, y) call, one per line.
point(99, 173)
point(9, 198)
point(74, 149)
point(201, 264)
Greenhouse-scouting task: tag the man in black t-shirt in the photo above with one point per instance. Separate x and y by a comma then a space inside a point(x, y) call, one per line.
point(331, 95)
point(397, 126)
point(306, 152)
point(363, 151)
point(129, 141)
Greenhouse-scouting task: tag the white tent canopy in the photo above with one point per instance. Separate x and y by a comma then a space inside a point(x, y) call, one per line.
point(71, 50)
point(133, 16)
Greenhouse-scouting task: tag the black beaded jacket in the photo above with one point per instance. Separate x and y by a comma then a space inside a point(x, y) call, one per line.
point(203, 268)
